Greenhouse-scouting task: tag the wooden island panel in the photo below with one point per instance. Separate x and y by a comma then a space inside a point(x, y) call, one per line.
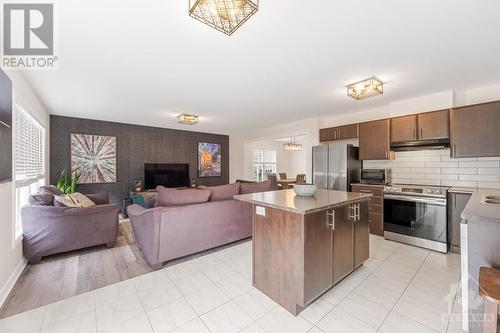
point(303, 246)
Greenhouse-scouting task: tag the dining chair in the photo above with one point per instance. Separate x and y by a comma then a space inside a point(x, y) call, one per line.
point(283, 175)
point(273, 179)
point(301, 179)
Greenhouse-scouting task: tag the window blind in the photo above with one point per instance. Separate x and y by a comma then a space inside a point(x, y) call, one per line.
point(29, 148)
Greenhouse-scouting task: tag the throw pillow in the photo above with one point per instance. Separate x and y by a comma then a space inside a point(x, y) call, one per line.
point(222, 192)
point(45, 199)
point(64, 200)
point(166, 197)
point(81, 200)
point(247, 188)
point(49, 189)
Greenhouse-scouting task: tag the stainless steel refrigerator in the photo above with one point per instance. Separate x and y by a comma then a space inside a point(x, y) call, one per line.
point(336, 166)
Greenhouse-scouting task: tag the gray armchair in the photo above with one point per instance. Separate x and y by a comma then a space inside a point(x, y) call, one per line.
point(49, 229)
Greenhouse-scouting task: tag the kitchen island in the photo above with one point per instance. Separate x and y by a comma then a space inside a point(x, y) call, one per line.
point(302, 246)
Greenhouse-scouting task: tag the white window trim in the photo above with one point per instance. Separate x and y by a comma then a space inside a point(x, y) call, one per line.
point(264, 162)
point(16, 106)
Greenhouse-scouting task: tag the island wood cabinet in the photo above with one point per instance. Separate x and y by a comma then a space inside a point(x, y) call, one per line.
point(298, 257)
point(376, 209)
point(423, 126)
point(336, 243)
point(338, 133)
point(474, 130)
point(375, 140)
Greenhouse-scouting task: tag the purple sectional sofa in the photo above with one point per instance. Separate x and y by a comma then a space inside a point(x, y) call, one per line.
point(183, 222)
point(48, 229)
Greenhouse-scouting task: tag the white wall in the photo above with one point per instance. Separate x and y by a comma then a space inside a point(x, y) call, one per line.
point(11, 258)
point(239, 144)
point(437, 101)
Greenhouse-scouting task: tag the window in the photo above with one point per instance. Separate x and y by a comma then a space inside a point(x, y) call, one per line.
point(29, 161)
point(264, 162)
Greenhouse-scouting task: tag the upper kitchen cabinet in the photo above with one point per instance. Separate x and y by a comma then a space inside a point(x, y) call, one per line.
point(375, 140)
point(420, 127)
point(338, 133)
point(404, 128)
point(474, 130)
point(433, 125)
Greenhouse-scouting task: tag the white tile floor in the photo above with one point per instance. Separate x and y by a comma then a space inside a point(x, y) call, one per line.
point(399, 289)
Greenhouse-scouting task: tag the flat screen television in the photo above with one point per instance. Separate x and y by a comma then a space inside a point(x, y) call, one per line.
point(5, 128)
point(168, 175)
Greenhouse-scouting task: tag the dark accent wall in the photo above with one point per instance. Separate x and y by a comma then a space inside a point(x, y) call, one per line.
point(135, 145)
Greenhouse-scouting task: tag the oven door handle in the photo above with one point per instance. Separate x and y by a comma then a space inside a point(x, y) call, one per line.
point(430, 201)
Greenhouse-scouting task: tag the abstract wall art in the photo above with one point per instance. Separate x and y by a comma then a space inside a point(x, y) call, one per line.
point(93, 157)
point(209, 159)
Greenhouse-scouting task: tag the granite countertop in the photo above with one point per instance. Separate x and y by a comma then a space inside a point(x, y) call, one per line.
point(475, 211)
point(289, 201)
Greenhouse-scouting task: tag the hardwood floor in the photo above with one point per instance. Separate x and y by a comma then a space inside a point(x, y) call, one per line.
point(64, 275)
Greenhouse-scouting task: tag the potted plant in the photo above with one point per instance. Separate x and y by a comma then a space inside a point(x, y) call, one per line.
point(65, 184)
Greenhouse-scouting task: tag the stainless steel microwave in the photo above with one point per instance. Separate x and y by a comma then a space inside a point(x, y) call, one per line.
point(375, 176)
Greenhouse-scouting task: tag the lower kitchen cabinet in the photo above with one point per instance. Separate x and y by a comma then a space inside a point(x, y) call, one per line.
point(376, 208)
point(336, 242)
point(456, 205)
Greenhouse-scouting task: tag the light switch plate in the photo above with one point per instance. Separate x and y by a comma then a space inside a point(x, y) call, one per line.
point(260, 210)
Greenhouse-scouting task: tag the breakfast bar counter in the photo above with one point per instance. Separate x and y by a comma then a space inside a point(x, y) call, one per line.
point(302, 246)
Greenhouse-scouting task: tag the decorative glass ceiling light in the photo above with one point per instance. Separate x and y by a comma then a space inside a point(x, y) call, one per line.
point(223, 15)
point(366, 88)
point(187, 119)
point(292, 146)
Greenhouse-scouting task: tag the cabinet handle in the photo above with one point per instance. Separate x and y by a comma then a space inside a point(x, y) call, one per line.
point(340, 133)
point(365, 191)
point(454, 150)
point(335, 134)
point(421, 132)
point(332, 214)
point(414, 134)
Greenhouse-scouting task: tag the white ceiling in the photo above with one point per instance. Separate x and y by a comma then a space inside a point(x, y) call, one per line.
point(145, 62)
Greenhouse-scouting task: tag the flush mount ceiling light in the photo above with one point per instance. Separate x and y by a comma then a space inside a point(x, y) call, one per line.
point(187, 119)
point(292, 146)
point(366, 88)
point(223, 15)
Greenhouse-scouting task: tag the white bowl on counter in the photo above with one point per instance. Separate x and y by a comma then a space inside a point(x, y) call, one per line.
point(305, 190)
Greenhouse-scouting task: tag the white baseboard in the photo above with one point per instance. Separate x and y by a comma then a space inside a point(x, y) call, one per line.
point(11, 282)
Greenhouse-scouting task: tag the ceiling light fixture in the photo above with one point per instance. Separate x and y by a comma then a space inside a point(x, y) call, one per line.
point(366, 88)
point(223, 15)
point(187, 119)
point(292, 146)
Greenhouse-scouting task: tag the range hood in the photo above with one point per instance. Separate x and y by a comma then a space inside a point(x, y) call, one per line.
point(421, 145)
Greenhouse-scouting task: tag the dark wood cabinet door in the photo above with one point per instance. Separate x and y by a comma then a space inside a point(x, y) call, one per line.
point(347, 132)
point(374, 140)
point(317, 255)
point(404, 128)
point(474, 130)
point(377, 224)
point(361, 235)
point(434, 125)
point(343, 242)
point(327, 134)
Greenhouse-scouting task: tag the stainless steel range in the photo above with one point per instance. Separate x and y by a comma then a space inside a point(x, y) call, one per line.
point(416, 215)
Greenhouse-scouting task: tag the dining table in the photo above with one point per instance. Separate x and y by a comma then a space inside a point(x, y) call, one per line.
point(287, 183)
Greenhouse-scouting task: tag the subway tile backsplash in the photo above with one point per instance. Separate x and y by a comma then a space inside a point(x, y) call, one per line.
point(435, 167)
